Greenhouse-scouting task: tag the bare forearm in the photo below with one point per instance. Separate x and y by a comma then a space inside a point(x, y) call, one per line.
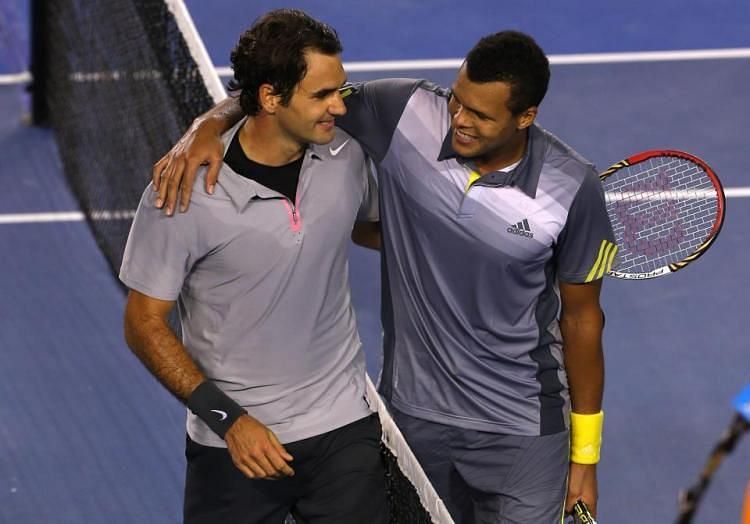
point(584, 360)
point(222, 116)
point(156, 345)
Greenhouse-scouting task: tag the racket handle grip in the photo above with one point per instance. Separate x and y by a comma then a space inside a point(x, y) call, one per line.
point(581, 514)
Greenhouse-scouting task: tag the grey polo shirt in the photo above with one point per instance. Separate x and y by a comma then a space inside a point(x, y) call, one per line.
point(262, 289)
point(470, 274)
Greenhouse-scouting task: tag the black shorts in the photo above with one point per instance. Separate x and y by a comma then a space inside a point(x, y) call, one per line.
point(338, 478)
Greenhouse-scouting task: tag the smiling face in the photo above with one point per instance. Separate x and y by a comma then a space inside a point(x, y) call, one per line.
point(309, 116)
point(483, 128)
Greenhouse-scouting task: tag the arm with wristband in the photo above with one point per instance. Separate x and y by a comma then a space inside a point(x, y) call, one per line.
point(581, 324)
point(254, 448)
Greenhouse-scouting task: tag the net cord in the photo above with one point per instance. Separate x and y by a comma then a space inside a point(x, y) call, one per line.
point(396, 444)
point(197, 49)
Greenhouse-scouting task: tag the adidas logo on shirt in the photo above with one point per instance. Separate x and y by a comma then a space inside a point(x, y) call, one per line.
point(522, 229)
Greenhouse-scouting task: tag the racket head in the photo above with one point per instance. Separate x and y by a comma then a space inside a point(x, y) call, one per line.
point(666, 207)
point(581, 514)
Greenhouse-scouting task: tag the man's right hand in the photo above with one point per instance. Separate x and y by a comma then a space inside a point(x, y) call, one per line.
point(256, 451)
point(173, 175)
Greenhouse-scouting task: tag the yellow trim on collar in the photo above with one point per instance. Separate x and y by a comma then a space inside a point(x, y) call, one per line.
point(473, 177)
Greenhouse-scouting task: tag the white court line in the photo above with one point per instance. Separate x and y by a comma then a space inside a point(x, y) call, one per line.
point(572, 59)
point(737, 192)
point(16, 78)
point(65, 216)
point(77, 216)
point(29, 218)
point(650, 56)
point(454, 63)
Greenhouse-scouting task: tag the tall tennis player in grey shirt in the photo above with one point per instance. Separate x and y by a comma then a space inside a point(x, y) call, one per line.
point(495, 241)
point(270, 362)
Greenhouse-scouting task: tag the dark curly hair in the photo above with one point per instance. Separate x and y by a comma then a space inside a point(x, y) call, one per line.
point(272, 52)
point(515, 58)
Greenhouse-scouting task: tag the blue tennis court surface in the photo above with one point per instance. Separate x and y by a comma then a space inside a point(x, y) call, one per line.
point(87, 436)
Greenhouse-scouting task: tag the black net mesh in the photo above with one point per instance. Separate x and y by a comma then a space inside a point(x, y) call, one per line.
point(403, 499)
point(121, 87)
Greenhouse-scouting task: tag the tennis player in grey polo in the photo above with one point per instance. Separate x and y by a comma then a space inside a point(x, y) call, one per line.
point(270, 364)
point(262, 288)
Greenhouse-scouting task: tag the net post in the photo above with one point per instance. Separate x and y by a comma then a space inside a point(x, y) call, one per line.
point(38, 86)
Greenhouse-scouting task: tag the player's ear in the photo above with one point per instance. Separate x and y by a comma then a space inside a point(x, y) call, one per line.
point(268, 99)
point(526, 117)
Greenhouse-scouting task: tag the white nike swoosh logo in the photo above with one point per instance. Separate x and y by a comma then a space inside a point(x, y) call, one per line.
point(219, 412)
point(336, 151)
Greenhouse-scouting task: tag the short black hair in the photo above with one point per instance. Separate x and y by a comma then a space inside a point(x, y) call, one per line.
point(515, 58)
point(272, 52)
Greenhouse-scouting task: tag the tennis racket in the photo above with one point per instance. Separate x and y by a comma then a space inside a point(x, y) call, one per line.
point(666, 208)
point(581, 514)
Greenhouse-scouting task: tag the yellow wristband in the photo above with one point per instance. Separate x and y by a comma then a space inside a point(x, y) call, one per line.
point(585, 437)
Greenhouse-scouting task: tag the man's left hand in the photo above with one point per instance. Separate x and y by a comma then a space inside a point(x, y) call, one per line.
point(582, 485)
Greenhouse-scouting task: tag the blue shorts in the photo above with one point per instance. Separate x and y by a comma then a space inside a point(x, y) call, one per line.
point(492, 478)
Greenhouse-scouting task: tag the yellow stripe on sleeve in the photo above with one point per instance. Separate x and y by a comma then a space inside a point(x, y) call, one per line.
point(610, 259)
point(604, 260)
point(592, 273)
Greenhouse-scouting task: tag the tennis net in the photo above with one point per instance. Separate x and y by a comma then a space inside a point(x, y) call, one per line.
point(119, 82)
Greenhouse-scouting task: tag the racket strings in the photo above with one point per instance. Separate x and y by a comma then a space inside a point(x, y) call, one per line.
point(662, 210)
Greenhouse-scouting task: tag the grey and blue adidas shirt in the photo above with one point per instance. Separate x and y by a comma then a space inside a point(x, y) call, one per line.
point(470, 270)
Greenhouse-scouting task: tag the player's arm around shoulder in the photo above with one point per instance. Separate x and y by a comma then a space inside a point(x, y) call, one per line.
point(374, 109)
point(174, 174)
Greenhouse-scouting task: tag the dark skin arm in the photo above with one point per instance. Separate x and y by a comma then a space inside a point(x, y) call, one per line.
point(581, 324)
point(200, 145)
point(254, 448)
point(367, 234)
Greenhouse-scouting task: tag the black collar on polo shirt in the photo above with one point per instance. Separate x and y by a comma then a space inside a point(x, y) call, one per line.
point(525, 175)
